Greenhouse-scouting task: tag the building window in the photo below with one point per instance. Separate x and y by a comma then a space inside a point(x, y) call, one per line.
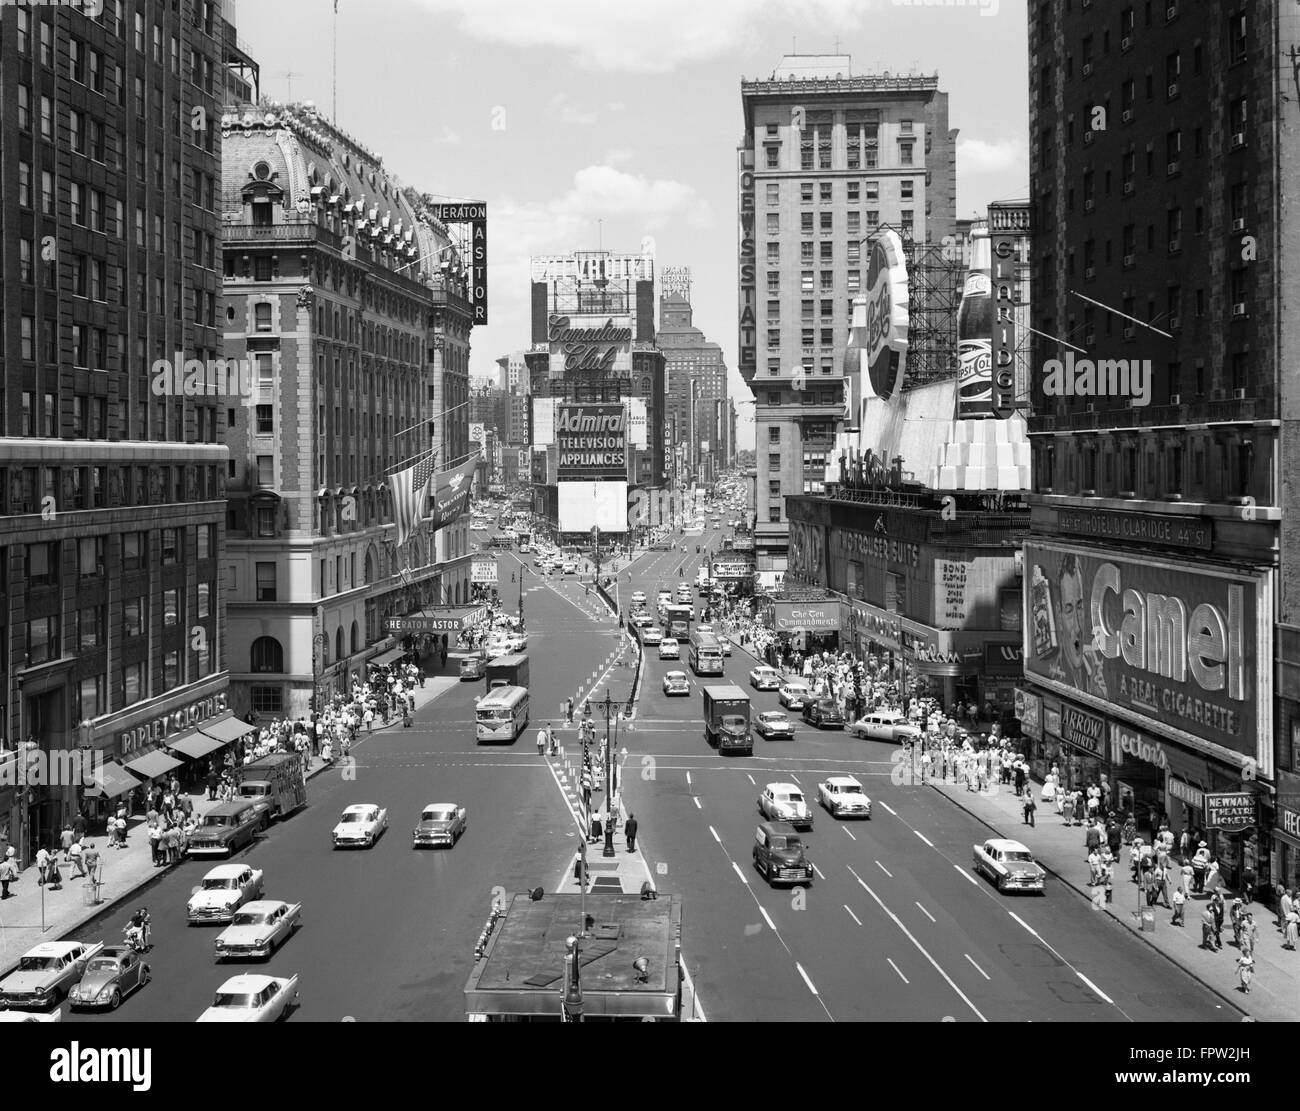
point(90, 628)
point(132, 684)
point(207, 541)
point(90, 556)
point(774, 434)
point(267, 700)
point(265, 520)
point(42, 564)
point(171, 607)
point(265, 420)
point(133, 616)
point(266, 655)
point(42, 640)
point(265, 582)
point(262, 317)
point(170, 547)
point(171, 670)
point(773, 192)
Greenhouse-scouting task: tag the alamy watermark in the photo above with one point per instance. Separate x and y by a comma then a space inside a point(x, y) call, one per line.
point(55, 767)
point(987, 7)
point(1130, 378)
point(91, 9)
point(201, 377)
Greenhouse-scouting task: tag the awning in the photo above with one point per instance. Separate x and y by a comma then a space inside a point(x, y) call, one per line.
point(389, 657)
point(152, 764)
point(227, 729)
point(195, 745)
point(111, 780)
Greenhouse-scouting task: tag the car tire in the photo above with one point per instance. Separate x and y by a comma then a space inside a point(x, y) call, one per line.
point(145, 975)
point(115, 1000)
point(1001, 884)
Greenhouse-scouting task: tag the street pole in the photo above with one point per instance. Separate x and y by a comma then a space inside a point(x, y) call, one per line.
point(609, 784)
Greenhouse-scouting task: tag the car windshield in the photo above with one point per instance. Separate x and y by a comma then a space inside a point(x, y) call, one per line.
point(356, 816)
point(786, 844)
point(849, 789)
point(250, 918)
point(233, 999)
point(1017, 854)
point(102, 964)
point(731, 722)
point(796, 688)
point(773, 715)
point(38, 964)
point(438, 814)
point(220, 883)
point(217, 819)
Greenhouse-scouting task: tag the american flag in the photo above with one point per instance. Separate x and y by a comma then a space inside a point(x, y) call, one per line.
point(410, 496)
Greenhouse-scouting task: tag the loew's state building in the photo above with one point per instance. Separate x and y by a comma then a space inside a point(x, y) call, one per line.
point(351, 308)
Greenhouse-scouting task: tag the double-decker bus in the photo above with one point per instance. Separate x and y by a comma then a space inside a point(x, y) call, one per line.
point(705, 654)
point(502, 714)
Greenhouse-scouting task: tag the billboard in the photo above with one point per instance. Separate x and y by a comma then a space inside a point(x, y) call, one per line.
point(875, 358)
point(746, 256)
point(483, 570)
point(637, 426)
point(476, 433)
point(584, 342)
point(584, 505)
point(806, 617)
point(1003, 349)
point(473, 213)
point(1183, 650)
point(543, 421)
point(591, 442)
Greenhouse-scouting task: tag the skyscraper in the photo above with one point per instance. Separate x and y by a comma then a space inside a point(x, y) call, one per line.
point(826, 157)
point(695, 383)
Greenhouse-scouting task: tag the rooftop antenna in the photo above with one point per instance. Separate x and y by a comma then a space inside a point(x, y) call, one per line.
point(600, 235)
point(289, 75)
point(334, 75)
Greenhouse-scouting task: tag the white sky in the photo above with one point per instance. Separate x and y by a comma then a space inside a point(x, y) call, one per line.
point(626, 111)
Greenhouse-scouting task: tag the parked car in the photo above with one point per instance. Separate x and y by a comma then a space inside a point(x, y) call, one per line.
point(765, 678)
point(472, 667)
point(793, 694)
point(780, 855)
point(773, 724)
point(225, 889)
point(225, 829)
point(844, 797)
point(441, 823)
point(251, 998)
point(784, 802)
point(258, 929)
point(1009, 865)
point(885, 725)
point(676, 682)
point(46, 973)
point(823, 713)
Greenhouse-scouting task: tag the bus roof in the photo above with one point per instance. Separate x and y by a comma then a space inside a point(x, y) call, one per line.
point(705, 640)
point(501, 697)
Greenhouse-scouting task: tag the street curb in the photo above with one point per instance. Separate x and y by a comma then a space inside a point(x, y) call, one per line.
point(1110, 916)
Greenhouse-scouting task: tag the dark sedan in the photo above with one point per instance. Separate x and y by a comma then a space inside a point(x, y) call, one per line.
point(823, 713)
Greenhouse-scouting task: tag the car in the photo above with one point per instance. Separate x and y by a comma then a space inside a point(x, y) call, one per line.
point(784, 802)
point(111, 975)
point(361, 824)
point(885, 725)
point(705, 628)
point(497, 646)
point(250, 998)
point(764, 678)
point(472, 667)
point(226, 828)
point(664, 598)
point(793, 694)
point(651, 636)
point(824, 713)
point(638, 597)
point(844, 797)
point(569, 567)
point(683, 597)
point(669, 649)
point(1009, 865)
point(223, 891)
point(517, 641)
point(441, 823)
point(772, 724)
point(780, 854)
point(724, 642)
point(55, 1015)
point(258, 929)
point(46, 973)
point(642, 620)
point(675, 682)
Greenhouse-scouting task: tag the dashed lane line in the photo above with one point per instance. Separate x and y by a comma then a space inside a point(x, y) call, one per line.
point(820, 876)
point(899, 971)
point(696, 799)
point(852, 915)
point(976, 967)
point(885, 870)
point(890, 809)
point(967, 876)
point(715, 835)
point(923, 837)
point(743, 878)
point(848, 833)
point(811, 986)
point(930, 916)
point(767, 918)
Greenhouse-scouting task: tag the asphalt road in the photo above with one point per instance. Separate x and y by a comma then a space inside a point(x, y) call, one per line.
point(896, 925)
point(388, 933)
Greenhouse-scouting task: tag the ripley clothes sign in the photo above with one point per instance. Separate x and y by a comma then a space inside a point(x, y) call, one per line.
point(177, 721)
point(1183, 651)
point(591, 442)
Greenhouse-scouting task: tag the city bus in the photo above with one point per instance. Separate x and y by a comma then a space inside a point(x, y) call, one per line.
point(705, 654)
point(677, 621)
point(502, 715)
point(525, 542)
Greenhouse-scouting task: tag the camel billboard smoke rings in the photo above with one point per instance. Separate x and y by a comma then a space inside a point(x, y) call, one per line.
point(975, 333)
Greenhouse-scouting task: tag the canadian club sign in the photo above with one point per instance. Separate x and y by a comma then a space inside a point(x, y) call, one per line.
point(591, 442)
point(587, 348)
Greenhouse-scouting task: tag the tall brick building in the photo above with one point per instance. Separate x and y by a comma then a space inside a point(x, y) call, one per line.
point(350, 305)
point(111, 496)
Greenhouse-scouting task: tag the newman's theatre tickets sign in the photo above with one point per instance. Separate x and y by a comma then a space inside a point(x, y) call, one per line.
point(1185, 651)
point(591, 442)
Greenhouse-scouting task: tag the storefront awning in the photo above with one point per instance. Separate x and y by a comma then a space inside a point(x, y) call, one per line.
point(389, 657)
point(227, 729)
point(111, 780)
point(194, 745)
point(152, 764)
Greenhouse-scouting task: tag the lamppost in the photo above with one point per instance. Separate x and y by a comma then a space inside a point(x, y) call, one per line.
point(318, 646)
point(522, 569)
point(610, 709)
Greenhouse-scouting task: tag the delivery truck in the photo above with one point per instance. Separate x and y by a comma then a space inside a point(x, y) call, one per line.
point(726, 719)
point(276, 784)
point(508, 671)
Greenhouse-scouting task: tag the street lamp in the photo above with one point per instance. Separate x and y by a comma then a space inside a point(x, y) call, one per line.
point(609, 708)
point(318, 645)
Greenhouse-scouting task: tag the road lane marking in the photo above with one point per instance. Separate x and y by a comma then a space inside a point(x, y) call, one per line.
point(924, 838)
point(962, 872)
point(696, 799)
point(849, 832)
point(928, 914)
point(1023, 922)
point(898, 970)
point(743, 878)
point(796, 779)
point(977, 967)
point(767, 917)
point(924, 952)
point(885, 804)
point(688, 779)
point(885, 870)
point(751, 779)
point(811, 986)
point(852, 915)
point(715, 835)
point(1094, 987)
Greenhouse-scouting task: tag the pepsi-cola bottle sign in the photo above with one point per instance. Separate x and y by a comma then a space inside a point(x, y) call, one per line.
point(975, 334)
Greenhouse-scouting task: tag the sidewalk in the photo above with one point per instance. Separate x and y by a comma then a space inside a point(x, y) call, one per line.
point(1060, 849)
point(122, 871)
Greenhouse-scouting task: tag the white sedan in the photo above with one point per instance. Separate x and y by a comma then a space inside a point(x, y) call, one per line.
point(1009, 865)
point(253, 999)
point(258, 928)
point(223, 891)
point(675, 682)
point(794, 694)
point(638, 597)
point(772, 724)
point(669, 650)
point(844, 797)
point(361, 824)
point(765, 679)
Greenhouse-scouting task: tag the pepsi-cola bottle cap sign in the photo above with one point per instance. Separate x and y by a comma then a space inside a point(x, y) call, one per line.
point(885, 335)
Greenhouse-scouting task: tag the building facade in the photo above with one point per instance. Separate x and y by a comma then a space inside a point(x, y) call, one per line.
point(695, 390)
point(1162, 151)
point(111, 492)
point(356, 337)
point(826, 158)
